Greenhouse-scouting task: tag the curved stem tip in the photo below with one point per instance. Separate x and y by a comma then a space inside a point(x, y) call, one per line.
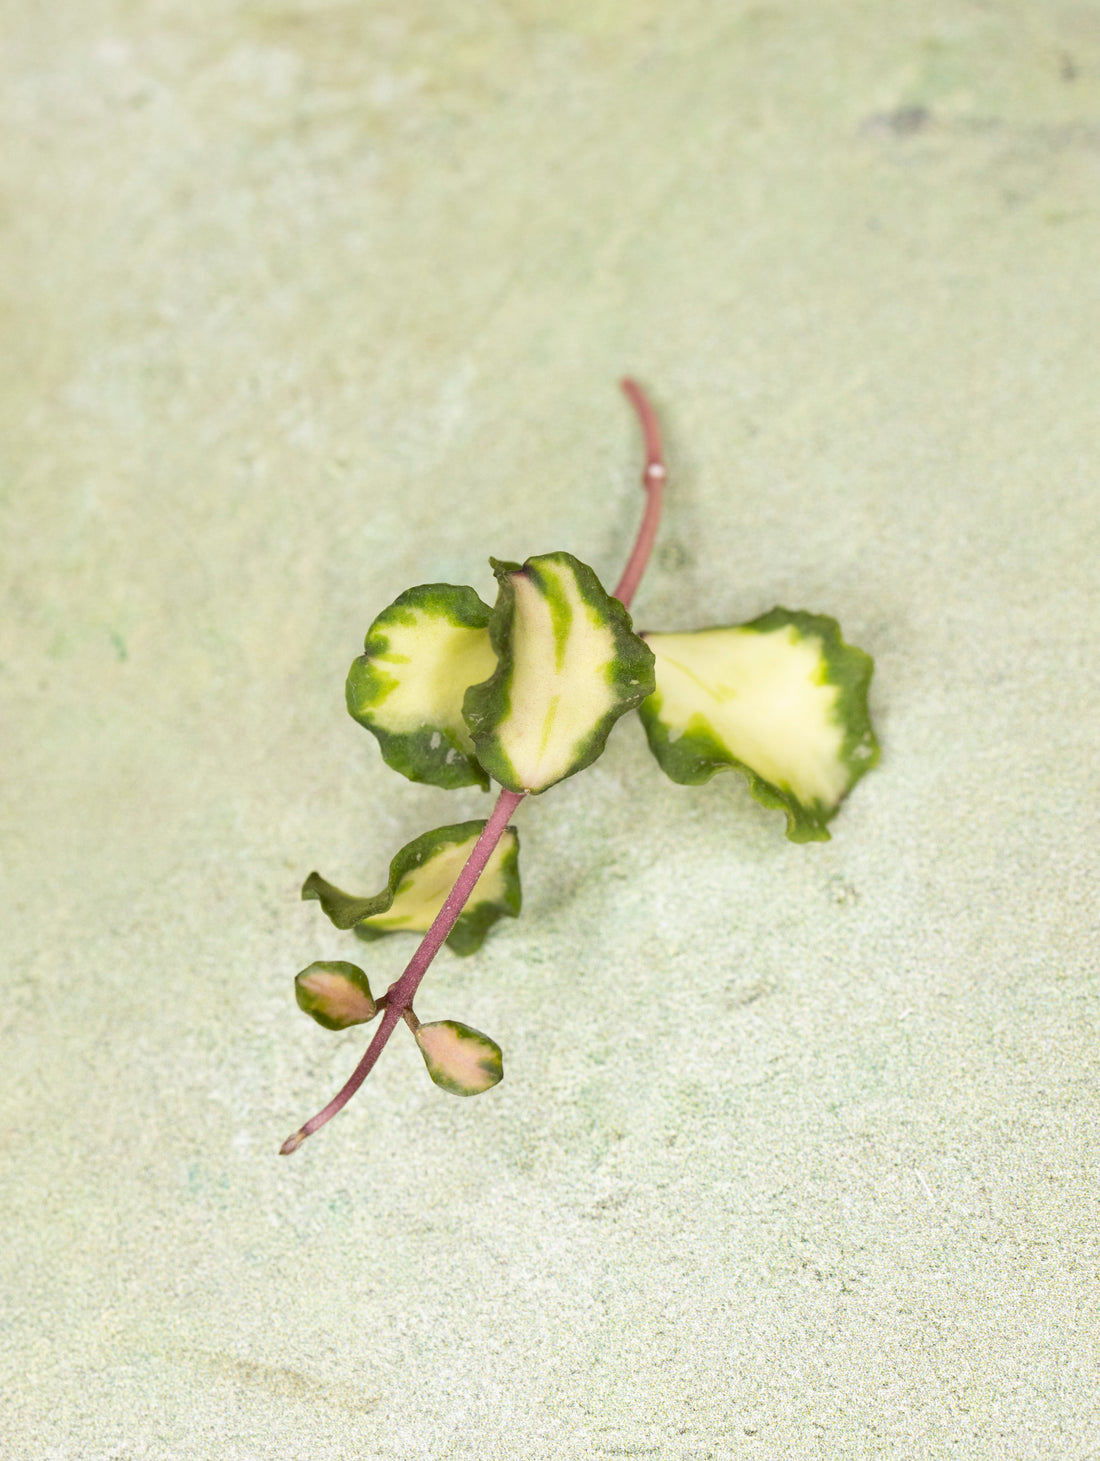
point(653, 482)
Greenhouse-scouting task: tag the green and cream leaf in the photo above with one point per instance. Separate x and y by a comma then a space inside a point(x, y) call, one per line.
point(459, 1059)
point(568, 665)
point(421, 876)
point(335, 993)
point(782, 698)
point(420, 656)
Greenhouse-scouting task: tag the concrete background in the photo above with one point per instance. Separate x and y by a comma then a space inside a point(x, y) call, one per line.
point(303, 303)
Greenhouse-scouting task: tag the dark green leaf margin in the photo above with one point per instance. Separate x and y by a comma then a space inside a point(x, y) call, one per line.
point(437, 752)
point(695, 756)
point(487, 705)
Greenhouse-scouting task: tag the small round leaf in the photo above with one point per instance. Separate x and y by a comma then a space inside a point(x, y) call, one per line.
point(336, 994)
point(459, 1059)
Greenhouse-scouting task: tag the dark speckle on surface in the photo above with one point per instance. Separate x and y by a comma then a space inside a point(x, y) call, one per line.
point(903, 122)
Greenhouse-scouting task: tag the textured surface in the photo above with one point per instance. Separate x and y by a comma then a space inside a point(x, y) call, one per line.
point(304, 303)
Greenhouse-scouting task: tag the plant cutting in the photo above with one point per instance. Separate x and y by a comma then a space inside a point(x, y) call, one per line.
point(525, 694)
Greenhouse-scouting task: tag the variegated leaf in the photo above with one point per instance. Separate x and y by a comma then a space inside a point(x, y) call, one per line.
point(421, 655)
point(421, 876)
point(461, 1060)
point(782, 698)
point(336, 994)
point(568, 666)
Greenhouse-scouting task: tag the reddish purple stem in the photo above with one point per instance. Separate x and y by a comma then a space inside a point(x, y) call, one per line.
point(653, 481)
point(398, 999)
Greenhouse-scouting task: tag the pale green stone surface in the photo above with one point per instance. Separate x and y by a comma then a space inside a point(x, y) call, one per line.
point(795, 1155)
